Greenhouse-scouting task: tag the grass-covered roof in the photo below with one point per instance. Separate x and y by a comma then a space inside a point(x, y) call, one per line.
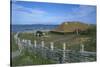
point(71, 27)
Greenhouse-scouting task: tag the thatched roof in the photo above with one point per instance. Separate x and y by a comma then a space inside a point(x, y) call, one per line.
point(71, 27)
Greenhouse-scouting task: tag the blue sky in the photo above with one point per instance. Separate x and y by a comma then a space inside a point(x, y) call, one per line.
point(51, 13)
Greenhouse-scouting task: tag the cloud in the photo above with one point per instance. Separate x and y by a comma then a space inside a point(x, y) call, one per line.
point(25, 15)
point(80, 13)
point(83, 11)
point(21, 14)
point(33, 15)
point(19, 8)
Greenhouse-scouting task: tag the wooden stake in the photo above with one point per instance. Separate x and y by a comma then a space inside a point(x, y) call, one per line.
point(52, 45)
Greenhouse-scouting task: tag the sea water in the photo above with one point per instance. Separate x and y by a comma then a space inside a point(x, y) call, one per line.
point(34, 27)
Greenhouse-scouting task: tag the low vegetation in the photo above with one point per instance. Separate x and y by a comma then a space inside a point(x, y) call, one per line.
point(13, 44)
point(27, 58)
point(73, 41)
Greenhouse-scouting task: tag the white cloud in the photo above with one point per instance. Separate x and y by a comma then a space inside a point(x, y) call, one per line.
point(83, 11)
point(19, 13)
point(16, 7)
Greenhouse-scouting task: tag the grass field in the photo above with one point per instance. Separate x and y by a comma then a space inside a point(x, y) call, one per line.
point(73, 41)
point(26, 58)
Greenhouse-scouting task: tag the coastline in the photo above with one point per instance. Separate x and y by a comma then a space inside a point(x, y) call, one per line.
point(31, 31)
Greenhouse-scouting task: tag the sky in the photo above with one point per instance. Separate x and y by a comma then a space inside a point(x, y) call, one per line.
point(51, 13)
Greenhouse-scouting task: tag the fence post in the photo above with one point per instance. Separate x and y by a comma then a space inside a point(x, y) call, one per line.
point(29, 42)
point(64, 46)
point(52, 46)
point(38, 34)
point(17, 40)
point(43, 50)
point(42, 42)
point(19, 45)
point(82, 48)
point(64, 53)
point(25, 41)
point(82, 51)
point(35, 43)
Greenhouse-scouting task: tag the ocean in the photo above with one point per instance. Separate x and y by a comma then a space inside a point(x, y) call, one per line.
point(35, 27)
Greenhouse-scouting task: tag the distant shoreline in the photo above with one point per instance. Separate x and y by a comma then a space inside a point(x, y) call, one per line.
point(32, 28)
point(31, 31)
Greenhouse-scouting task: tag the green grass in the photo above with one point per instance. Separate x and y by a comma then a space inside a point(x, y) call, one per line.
point(91, 44)
point(73, 43)
point(14, 46)
point(30, 59)
point(27, 58)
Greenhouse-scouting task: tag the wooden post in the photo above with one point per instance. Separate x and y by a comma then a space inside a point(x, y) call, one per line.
point(38, 34)
point(29, 42)
point(82, 48)
point(35, 43)
point(64, 53)
point(19, 45)
point(24, 40)
point(64, 46)
point(42, 42)
point(18, 41)
point(26, 43)
point(52, 46)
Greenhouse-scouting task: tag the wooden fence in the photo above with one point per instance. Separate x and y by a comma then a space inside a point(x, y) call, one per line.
point(57, 55)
